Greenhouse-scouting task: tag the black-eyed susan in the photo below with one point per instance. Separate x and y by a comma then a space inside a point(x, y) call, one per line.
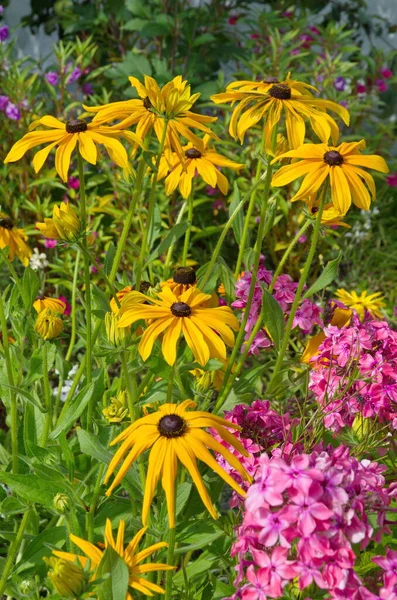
point(56, 305)
point(340, 318)
point(48, 324)
point(182, 280)
point(66, 136)
point(186, 315)
point(268, 98)
point(67, 578)
point(144, 288)
point(63, 225)
point(15, 240)
point(330, 217)
point(200, 159)
point(171, 103)
point(371, 303)
point(129, 554)
point(176, 434)
point(341, 165)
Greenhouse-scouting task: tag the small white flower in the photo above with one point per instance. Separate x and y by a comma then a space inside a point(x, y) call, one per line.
point(38, 260)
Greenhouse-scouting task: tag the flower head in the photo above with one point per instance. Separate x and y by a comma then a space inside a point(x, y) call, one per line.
point(338, 164)
point(268, 98)
point(182, 280)
point(66, 136)
point(129, 554)
point(155, 105)
point(175, 315)
point(67, 578)
point(52, 77)
point(340, 318)
point(117, 410)
point(15, 240)
point(201, 159)
point(115, 334)
point(174, 433)
point(372, 303)
point(56, 305)
point(63, 225)
point(48, 324)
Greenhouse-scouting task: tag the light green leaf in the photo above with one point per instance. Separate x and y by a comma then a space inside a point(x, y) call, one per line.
point(327, 276)
point(73, 411)
point(176, 232)
point(114, 567)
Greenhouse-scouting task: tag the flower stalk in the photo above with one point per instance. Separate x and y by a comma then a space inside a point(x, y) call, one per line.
point(47, 398)
point(13, 398)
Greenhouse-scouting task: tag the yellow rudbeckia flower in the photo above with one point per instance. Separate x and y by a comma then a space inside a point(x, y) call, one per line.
point(331, 217)
point(172, 102)
point(48, 324)
point(268, 98)
point(67, 578)
point(372, 303)
point(14, 239)
point(174, 433)
point(185, 315)
point(182, 280)
point(66, 136)
point(201, 159)
point(341, 165)
point(63, 225)
point(129, 554)
point(56, 305)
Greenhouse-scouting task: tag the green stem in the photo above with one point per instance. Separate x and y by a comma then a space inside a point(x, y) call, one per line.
point(101, 272)
point(171, 383)
point(131, 388)
point(189, 229)
point(171, 248)
point(287, 253)
point(298, 295)
point(12, 552)
point(170, 561)
point(152, 199)
point(47, 397)
point(16, 279)
point(13, 398)
point(93, 505)
point(73, 308)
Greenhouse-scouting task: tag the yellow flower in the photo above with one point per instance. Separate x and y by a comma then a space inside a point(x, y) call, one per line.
point(129, 554)
point(172, 102)
point(67, 578)
point(371, 303)
point(56, 305)
point(182, 280)
point(340, 318)
point(48, 324)
point(144, 287)
point(117, 409)
point(175, 315)
point(209, 379)
point(331, 217)
point(63, 225)
point(175, 434)
point(257, 99)
point(198, 158)
point(115, 334)
point(65, 136)
point(14, 239)
point(339, 164)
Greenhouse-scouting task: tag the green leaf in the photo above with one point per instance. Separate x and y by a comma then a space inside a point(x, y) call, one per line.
point(30, 286)
point(109, 258)
point(90, 445)
point(33, 488)
point(238, 223)
point(115, 569)
point(24, 394)
point(73, 411)
point(176, 232)
point(196, 535)
point(135, 24)
point(327, 276)
point(273, 317)
point(38, 548)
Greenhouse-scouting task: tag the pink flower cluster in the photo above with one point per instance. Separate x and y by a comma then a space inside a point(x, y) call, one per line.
point(302, 515)
point(355, 372)
point(307, 315)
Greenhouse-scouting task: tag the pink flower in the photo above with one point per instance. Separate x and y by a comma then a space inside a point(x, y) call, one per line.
point(388, 564)
point(381, 85)
point(74, 183)
point(68, 308)
point(386, 73)
point(276, 568)
point(391, 180)
point(361, 88)
point(49, 243)
point(257, 589)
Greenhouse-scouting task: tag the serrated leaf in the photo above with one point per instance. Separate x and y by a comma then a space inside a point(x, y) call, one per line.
point(327, 276)
point(273, 317)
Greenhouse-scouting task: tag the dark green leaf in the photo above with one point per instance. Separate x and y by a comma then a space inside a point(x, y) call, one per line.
point(327, 276)
point(176, 232)
point(273, 317)
point(73, 411)
point(238, 223)
point(33, 488)
point(109, 258)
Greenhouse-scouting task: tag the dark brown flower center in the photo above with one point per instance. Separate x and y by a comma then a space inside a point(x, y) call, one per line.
point(147, 104)
point(172, 426)
point(181, 309)
point(144, 287)
point(193, 153)
point(6, 223)
point(333, 158)
point(76, 126)
point(281, 92)
point(270, 79)
point(185, 275)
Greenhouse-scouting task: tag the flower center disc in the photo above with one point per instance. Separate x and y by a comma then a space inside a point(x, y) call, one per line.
point(76, 126)
point(6, 223)
point(181, 309)
point(144, 287)
point(270, 79)
point(147, 104)
point(185, 275)
point(281, 92)
point(333, 158)
point(193, 153)
point(171, 426)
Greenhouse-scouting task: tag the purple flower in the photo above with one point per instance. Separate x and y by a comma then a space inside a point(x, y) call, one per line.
point(4, 33)
point(52, 77)
point(1, 9)
point(4, 100)
point(381, 85)
point(361, 88)
point(74, 76)
point(339, 84)
point(391, 180)
point(13, 112)
point(87, 89)
point(386, 73)
point(74, 183)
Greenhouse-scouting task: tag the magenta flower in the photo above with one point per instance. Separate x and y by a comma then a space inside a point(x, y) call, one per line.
point(386, 73)
point(74, 183)
point(276, 568)
point(74, 76)
point(4, 33)
point(381, 85)
point(361, 88)
point(52, 77)
point(257, 588)
point(389, 565)
point(68, 308)
point(49, 243)
point(391, 180)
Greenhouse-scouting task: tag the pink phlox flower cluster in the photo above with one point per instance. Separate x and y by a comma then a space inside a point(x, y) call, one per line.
point(355, 372)
point(302, 515)
point(307, 315)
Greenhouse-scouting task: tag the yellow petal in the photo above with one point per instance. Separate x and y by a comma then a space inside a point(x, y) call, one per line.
point(87, 148)
point(340, 190)
point(170, 340)
point(63, 154)
point(151, 334)
point(156, 459)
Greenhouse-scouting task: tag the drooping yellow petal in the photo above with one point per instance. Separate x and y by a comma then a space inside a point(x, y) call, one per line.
point(151, 334)
point(63, 154)
point(155, 466)
point(340, 190)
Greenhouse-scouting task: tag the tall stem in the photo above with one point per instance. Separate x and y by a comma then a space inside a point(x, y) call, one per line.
point(73, 308)
point(47, 397)
point(12, 553)
point(170, 561)
point(171, 248)
point(131, 386)
point(13, 398)
point(152, 197)
point(298, 295)
point(94, 501)
point(189, 229)
point(286, 254)
point(102, 273)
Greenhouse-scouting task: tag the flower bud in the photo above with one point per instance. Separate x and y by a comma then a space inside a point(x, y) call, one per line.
point(64, 224)
point(61, 502)
point(48, 325)
point(116, 335)
point(117, 410)
point(67, 578)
